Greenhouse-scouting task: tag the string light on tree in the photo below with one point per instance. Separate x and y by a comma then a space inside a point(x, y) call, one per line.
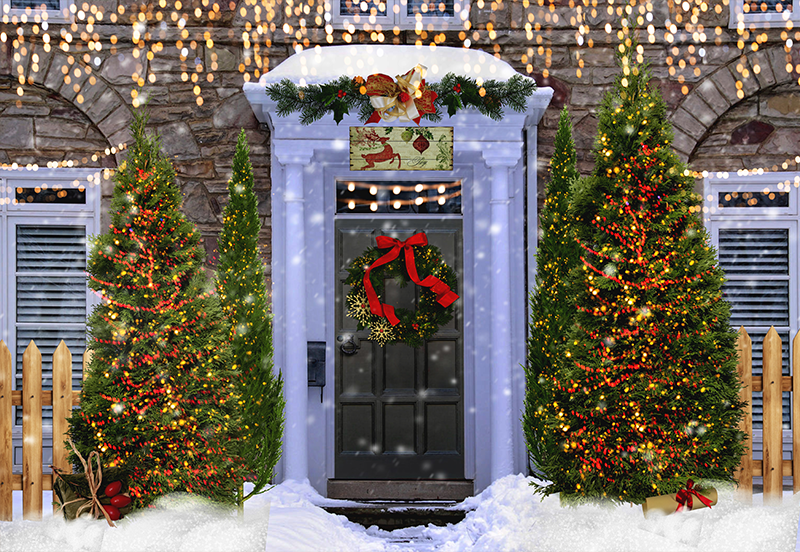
point(650, 350)
point(158, 396)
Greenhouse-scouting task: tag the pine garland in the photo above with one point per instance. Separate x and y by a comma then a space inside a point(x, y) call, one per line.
point(454, 92)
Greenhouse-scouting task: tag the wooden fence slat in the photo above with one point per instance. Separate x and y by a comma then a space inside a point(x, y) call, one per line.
point(62, 406)
point(773, 419)
point(744, 474)
point(6, 446)
point(32, 433)
point(796, 414)
point(87, 358)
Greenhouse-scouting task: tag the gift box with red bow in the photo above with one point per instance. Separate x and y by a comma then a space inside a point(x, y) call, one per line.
point(687, 499)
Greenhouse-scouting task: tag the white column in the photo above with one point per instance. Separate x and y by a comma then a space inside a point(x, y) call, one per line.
point(295, 373)
point(503, 418)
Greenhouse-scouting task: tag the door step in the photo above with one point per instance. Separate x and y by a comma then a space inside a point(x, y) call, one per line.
point(413, 492)
point(399, 516)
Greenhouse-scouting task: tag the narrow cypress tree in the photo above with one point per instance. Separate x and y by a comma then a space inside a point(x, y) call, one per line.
point(552, 309)
point(242, 289)
point(158, 398)
point(650, 363)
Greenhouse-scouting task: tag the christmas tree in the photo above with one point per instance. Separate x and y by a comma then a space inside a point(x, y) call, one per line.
point(551, 307)
point(242, 290)
point(159, 398)
point(649, 367)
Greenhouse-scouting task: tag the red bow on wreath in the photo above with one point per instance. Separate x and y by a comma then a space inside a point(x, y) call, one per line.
point(444, 295)
point(684, 497)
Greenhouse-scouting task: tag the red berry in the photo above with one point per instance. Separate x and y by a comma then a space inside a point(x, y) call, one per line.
point(404, 97)
point(120, 501)
point(113, 488)
point(112, 511)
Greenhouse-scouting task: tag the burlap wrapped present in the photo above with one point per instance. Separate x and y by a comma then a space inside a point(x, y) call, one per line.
point(80, 493)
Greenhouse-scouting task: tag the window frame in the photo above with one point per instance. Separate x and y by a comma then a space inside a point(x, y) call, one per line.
point(716, 219)
point(400, 19)
point(61, 15)
point(39, 214)
point(761, 19)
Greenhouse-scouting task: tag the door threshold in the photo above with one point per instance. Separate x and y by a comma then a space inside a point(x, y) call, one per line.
point(365, 489)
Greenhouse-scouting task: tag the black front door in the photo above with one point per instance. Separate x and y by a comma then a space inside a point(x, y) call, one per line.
point(399, 410)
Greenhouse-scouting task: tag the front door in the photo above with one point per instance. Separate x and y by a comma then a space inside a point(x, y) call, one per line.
point(399, 410)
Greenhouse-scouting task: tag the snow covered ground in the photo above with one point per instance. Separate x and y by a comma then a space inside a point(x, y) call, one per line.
point(506, 517)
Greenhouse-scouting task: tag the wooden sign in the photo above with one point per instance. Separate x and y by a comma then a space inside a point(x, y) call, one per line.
point(401, 148)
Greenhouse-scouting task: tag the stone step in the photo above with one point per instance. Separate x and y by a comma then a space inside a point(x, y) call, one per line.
point(398, 516)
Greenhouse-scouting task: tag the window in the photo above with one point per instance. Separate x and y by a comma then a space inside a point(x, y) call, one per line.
point(753, 221)
point(764, 13)
point(46, 218)
point(397, 196)
point(384, 15)
point(57, 10)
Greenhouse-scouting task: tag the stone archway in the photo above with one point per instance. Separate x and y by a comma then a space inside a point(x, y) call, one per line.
point(86, 89)
point(717, 94)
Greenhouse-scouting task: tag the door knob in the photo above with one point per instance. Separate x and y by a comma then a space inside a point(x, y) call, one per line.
point(350, 344)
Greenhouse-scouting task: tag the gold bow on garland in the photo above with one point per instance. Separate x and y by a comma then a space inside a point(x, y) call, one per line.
point(406, 100)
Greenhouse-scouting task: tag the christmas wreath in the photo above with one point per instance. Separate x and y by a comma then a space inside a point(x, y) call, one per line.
point(366, 276)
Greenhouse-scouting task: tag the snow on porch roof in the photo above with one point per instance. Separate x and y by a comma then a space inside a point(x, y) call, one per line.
point(326, 63)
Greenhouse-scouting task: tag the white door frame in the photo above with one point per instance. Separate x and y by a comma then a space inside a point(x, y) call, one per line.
point(490, 157)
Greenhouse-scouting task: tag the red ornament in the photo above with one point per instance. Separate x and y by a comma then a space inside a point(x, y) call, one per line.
point(113, 488)
point(120, 501)
point(421, 143)
point(404, 97)
point(112, 511)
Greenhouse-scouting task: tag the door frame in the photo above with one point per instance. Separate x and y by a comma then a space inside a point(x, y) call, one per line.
point(464, 171)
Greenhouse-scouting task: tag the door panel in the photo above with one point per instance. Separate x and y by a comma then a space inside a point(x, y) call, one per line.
point(399, 410)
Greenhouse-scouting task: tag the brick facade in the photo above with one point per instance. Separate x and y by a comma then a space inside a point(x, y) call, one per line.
point(54, 120)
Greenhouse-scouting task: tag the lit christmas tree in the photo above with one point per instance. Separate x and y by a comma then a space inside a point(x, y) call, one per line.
point(158, 400)
point(650, 363)
point(242, 290)
point(552, 308)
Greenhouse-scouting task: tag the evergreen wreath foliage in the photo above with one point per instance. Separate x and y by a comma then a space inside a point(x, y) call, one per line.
point(414, 326)
point(454, 92)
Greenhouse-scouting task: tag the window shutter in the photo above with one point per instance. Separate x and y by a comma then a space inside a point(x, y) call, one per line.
point(756, 263)
point(50, 299)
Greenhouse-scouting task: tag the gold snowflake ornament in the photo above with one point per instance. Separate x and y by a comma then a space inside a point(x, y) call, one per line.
point(358, 307)
point(381, 332)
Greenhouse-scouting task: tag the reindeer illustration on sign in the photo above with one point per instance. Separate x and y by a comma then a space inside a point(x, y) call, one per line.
point(387, 154)
point(377, 149)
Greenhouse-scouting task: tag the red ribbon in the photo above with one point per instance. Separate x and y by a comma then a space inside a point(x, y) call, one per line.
point(684, 497)
point(444, 295)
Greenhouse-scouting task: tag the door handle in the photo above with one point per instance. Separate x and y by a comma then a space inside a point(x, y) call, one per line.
point(350, 344)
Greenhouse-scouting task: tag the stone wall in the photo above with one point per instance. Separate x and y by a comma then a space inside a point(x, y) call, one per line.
point(762, 131)
point(56, 120)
